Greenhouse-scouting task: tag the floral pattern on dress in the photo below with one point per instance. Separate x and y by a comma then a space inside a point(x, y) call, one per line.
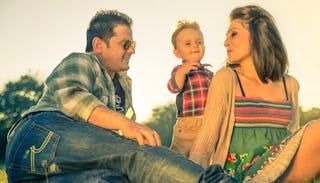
point(238, 164)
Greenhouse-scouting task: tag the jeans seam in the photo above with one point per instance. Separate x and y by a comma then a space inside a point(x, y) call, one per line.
point(12, 164)
point(34, 151)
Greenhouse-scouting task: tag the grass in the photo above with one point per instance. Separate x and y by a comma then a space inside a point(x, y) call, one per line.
point(3, 176)
point(316, 180)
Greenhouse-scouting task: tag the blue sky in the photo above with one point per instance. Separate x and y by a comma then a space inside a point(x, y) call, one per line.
point(35, 35)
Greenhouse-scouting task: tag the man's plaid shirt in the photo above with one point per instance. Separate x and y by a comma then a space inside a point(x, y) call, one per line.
point(78, 85)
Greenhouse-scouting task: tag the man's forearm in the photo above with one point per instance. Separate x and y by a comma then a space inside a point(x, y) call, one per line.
point(108, 119)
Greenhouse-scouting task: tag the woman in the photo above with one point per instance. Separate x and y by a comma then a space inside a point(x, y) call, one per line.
point(251, 121)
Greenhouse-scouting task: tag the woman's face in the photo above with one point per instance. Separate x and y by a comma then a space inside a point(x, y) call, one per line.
point(237, 42)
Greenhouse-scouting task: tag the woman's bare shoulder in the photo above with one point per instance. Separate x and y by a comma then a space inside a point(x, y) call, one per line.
point(292, 82)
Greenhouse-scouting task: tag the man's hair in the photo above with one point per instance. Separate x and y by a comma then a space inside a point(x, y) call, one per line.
point(268, 51)
point(181, 25)
point(102, 25)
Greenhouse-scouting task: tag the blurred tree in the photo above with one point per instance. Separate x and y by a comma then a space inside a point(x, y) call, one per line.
point(162, 120)
point(15, 99)
point(306, 116)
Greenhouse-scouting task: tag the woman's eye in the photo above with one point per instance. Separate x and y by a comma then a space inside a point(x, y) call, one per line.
point(233, 34)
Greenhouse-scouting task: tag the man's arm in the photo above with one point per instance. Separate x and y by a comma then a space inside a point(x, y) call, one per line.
point(109, 119)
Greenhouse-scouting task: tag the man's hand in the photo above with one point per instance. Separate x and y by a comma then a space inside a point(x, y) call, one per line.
point(142, 134)
point(112, 120)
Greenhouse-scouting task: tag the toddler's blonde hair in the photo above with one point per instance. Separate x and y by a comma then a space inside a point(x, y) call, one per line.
point(181, 25)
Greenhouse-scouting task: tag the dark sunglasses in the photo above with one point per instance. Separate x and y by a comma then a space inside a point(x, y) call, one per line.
point(128, 44)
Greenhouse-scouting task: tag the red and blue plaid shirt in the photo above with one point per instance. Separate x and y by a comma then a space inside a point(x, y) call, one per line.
point(192, 98)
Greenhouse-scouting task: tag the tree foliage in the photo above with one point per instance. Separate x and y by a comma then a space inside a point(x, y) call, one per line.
point(162, 120)
point(311, 114)
point(15, 99)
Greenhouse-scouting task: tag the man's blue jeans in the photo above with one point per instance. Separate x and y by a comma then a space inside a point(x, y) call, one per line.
point(49, 146)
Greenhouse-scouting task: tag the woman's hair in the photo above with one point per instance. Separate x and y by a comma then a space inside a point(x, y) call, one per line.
point(181, 25)
point(102, 25)
point(268, 51)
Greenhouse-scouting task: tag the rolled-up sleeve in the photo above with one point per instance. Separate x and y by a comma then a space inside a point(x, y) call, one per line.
point(172, 84)
point(72, 86)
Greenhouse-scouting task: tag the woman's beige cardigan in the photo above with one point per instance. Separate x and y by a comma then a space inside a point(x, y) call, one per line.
point(212, 143)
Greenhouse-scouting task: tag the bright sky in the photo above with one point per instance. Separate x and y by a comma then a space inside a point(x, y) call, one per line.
point(35, 35)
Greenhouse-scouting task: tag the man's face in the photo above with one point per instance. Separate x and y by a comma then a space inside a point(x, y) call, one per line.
point(114, 58)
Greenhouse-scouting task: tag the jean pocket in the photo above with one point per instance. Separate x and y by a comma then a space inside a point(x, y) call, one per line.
point(36, 150)
point(184, 133)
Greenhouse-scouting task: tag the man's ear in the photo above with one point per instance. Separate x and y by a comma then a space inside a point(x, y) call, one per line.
point(97, 45)
point(176, 53)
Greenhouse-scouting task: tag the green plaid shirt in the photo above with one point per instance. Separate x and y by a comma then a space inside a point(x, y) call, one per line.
point(78, 85)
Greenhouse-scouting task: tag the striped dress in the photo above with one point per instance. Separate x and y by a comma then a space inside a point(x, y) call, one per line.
point(260, 126)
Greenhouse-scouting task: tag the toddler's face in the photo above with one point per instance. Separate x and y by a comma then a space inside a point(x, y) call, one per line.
point(190, 45)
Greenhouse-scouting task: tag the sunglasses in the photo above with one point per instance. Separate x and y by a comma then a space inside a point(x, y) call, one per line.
point(128, 44)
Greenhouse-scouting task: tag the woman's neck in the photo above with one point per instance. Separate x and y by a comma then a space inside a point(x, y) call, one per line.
point(247, 70)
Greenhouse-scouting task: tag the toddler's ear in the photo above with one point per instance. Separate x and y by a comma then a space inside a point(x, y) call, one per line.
point(176, 52)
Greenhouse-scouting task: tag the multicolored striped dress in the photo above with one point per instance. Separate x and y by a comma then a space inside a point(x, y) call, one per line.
point(260, 126)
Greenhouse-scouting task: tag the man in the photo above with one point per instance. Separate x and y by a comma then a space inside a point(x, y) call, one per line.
point(83, 127)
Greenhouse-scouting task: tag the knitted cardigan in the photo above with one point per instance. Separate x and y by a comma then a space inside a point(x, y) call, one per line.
point(212, 142)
